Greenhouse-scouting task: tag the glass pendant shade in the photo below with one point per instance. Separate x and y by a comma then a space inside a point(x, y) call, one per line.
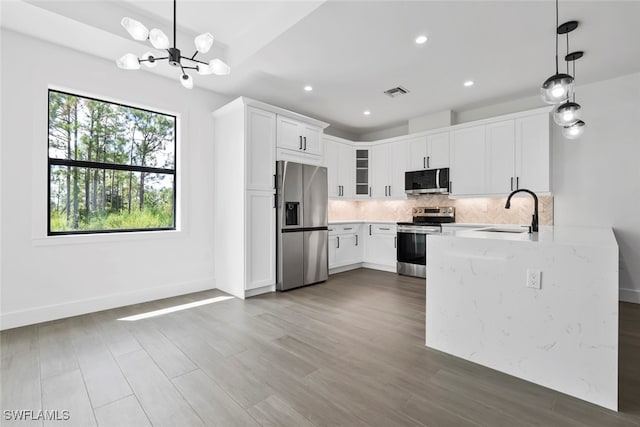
point(148, 60)
point(187, 81)
point(203, 42)
point(135, 29)
point(574, 131)
point(218, 67)
point(567, 113)
point(556, 88)
point(158, 39)
point(128, 62)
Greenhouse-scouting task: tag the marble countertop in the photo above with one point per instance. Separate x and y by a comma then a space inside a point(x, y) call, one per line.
point(563, 235)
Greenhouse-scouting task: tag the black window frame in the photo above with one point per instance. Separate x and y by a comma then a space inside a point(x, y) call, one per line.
point(110, 166)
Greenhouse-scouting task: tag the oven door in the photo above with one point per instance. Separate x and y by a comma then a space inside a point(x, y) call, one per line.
point(412, 248)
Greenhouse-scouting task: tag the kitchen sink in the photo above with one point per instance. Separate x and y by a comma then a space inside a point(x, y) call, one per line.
point(505, 230)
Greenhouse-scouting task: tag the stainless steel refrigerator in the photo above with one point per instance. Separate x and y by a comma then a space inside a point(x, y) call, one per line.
point(303, 235)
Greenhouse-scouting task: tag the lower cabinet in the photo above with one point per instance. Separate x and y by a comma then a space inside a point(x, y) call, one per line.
point(381, 245)
point(345, 245)
point(261, 239)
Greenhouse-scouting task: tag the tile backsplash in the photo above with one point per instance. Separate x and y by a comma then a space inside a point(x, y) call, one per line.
point(474, 211)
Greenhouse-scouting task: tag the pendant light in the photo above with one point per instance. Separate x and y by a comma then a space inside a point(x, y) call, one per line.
point(574, 130)
point(569, 112)
point(160, 41)
point(559, 86)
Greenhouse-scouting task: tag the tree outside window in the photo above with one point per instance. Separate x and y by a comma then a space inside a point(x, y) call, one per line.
point(111, 167)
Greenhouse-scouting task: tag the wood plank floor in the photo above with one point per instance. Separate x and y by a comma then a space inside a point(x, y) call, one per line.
point(347, 352)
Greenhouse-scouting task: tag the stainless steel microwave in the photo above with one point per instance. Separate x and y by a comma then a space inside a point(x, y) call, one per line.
point(427, 181)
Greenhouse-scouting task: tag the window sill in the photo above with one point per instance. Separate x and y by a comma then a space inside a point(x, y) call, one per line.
point(80, 239)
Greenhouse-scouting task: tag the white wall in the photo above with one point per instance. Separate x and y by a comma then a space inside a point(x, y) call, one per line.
point(51, 277)
point(384, 133)
point(596, 179)
point(437, 120)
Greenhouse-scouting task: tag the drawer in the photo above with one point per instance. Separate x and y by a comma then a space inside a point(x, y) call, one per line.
point(340, 229)
point(381, 229)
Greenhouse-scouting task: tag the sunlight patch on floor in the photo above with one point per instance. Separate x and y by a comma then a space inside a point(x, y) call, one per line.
point(174, 309)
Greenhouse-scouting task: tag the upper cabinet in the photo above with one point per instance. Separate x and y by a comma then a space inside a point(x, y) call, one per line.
point(339, 158)
point(261, 153)
point(389, 163)
point(500, 157)
point(532, 153)
point(428, 152)
point(467, 161)
point(363, 167)
point(299, 136)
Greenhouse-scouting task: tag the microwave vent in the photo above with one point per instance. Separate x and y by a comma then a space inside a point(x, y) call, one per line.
point(396, 91)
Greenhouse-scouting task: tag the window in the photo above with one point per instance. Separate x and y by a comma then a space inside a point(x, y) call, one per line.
point(111, 167)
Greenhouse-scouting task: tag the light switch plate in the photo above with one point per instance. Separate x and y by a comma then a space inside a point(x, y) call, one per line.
point(534, 278)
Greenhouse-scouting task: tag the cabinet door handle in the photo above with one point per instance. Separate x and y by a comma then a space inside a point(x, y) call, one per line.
point(385, 229)
point(389, 191)
point(424, 163)
point(356, 240)
point(450, 186)
point(275, 200)
point(517, 182)
point(274, 181)
point(369, 191)
point(511, 183)
point(301, 142)
point(369, 229)
point(342, 190)
point(338, 237)
point(305, 143)
point(348, 228)
point(395, 242)
point(428, 158)
point(385, 191)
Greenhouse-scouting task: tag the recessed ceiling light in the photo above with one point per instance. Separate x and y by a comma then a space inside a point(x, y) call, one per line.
point(308, 88)
point(468, 83)
point(421, 39)
point(366, 112)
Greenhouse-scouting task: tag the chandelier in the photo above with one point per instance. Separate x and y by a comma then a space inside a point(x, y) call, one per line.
point(160, 41)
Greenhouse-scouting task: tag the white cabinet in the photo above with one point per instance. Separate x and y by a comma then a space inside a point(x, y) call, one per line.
point(428, 152)
point(467, 161)
point(260, 240)
point(345, 245)
point(389, 163)
point(243, 194)
point(339, 158)
point(497, 158)
point(299, 136)
point(500, 153)
point(380, 245)
point(261, 153)
point(532, 153)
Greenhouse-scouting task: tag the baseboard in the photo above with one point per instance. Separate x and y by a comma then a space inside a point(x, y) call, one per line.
point(344, 268)
point(259, 291)
point(391, 269)
point(630, 295)
point(30, 316)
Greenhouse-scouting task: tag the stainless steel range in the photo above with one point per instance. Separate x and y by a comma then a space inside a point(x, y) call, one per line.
point(412, 238)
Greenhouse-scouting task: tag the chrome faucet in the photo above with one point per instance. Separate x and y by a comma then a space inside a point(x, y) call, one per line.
point(534, 219)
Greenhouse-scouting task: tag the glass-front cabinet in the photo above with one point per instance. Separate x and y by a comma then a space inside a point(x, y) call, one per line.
point(363, 187)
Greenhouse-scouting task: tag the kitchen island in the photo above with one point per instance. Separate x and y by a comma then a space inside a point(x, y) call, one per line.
point(542, 307)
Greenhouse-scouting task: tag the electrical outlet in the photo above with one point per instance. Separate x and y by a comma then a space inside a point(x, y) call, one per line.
point(533, 278)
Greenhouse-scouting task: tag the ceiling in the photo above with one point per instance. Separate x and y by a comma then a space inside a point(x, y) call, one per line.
point(351, 51)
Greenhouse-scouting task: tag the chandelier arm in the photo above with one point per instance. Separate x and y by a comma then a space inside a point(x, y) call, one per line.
point(194, 60)
point(194, 55)
point(188, 68)
point(153, 59)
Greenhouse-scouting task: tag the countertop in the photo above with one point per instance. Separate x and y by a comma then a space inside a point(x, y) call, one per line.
point(562, 235)
point(362, 221)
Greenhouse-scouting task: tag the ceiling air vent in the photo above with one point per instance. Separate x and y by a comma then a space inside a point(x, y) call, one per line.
point(396, 91)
